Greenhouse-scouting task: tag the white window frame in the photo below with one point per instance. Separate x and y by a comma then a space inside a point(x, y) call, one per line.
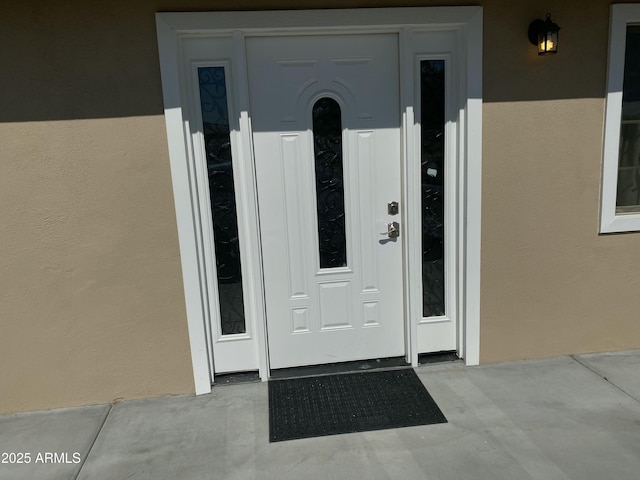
point(610, 221)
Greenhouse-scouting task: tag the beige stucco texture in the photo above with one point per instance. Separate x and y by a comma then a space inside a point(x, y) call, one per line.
point(90, 293)
point(91, 297)
point(551, 284)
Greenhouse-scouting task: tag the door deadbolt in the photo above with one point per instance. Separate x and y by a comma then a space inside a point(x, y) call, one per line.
point(392, 208)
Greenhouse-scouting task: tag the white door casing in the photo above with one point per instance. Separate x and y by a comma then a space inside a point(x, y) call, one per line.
point(230, 32)
point(326, 315)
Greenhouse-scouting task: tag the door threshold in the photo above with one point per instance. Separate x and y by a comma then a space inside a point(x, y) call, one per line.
point(235, 378)
point(342, 367)
point(437, 357)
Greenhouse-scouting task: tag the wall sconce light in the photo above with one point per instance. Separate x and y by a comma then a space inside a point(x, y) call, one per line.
point(544, 34)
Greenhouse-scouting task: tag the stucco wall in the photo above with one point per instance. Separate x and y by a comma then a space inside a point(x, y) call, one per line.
point(550, 283)
point(91, 299)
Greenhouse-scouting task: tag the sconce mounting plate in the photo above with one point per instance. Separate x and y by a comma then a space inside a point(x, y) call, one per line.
point(534, 28)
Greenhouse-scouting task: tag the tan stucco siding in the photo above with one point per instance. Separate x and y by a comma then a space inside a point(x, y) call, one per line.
point(90, 293)
point(551, 284)
point(91, 299)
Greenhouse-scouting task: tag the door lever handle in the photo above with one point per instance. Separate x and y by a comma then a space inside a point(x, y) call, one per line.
point(393, 230)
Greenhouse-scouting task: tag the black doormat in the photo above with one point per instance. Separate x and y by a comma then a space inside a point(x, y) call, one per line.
point(345, 403)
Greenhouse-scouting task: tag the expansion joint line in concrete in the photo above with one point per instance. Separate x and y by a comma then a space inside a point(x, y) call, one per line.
point(592, 369)
point(93, 442)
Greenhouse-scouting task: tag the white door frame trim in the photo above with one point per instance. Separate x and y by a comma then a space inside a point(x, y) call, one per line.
point(172, 28)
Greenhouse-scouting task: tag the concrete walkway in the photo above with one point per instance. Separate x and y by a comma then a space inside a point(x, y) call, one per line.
point(560, 418)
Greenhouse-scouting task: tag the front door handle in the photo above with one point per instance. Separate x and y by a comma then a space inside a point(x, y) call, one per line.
point(393, 230)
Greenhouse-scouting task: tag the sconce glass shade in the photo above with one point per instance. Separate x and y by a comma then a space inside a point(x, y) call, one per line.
point(544, 34)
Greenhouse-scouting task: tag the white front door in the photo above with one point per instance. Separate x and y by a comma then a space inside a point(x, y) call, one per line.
point(326, 120)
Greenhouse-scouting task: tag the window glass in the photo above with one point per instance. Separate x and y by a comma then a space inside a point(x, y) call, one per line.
point(327, 141)
point(215, 118)
point(628, 191)
point(432, 98)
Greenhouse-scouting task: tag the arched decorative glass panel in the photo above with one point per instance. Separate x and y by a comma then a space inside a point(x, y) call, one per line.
point(432, 106)
point(215, 119)
point(327, 141)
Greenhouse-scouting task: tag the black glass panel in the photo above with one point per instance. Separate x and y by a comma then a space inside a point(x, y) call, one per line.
point(628, 194)
point(215, 118)
point(327, 139)
point(432, 97)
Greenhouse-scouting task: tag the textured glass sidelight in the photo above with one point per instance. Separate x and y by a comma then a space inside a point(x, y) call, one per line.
point(628, 194)
point(432, 121)
point(215, 118)
point(327, 141)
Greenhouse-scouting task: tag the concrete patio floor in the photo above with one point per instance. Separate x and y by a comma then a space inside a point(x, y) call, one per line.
point(560, 418)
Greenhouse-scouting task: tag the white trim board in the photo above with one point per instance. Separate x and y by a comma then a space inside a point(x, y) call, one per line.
point(174, 28)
